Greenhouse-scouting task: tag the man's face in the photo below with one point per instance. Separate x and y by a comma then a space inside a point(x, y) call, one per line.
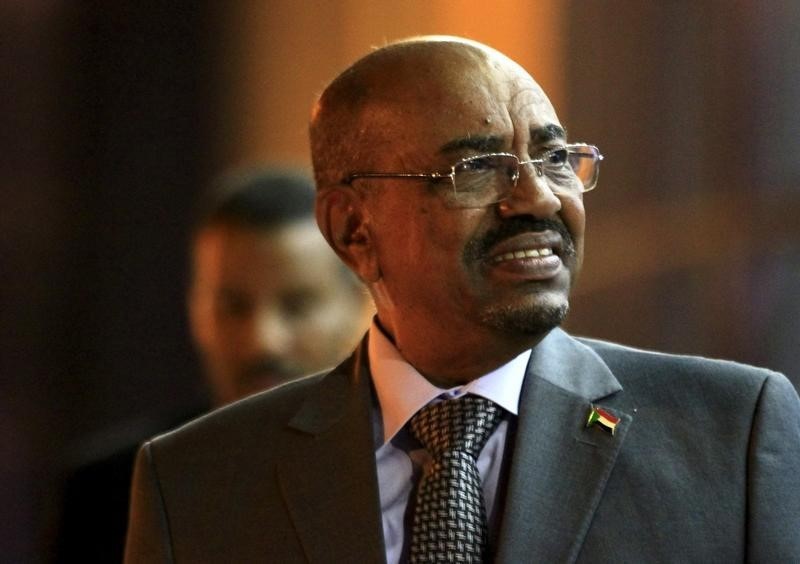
point(269, 306)
point(471, 274)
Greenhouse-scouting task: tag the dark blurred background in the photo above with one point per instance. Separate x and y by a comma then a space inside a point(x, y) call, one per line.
point(115, 115)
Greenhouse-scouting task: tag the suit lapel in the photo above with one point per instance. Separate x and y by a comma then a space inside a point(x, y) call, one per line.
point(329, 479)
point(559, 466)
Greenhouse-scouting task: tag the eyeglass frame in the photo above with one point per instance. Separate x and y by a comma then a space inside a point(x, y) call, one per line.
point(538, 165)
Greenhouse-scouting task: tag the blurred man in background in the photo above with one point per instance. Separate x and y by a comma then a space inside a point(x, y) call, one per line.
point(269, 301)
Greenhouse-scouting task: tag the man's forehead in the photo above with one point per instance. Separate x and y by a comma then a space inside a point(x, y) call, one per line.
point(466, 81)
point(473, 101)
point(425, 97)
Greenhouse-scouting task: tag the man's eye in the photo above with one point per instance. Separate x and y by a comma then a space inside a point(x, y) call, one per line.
point(557, 157)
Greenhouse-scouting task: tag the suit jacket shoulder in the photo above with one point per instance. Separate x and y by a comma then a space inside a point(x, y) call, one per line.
point(228, 429)
point(634, 367)
point(263, 479)
point(712, 440)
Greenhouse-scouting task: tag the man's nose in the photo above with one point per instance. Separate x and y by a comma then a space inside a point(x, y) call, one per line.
point(532, 195)
point(271, 335)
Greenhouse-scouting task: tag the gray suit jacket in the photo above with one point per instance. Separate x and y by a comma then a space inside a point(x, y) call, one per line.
point(704, 467)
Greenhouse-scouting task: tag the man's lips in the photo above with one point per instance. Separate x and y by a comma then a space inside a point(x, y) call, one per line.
point(518, 240)
point(542, 247)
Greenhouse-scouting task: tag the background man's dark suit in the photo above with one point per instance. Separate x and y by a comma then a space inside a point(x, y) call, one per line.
point(94, 518)
point(702, 468)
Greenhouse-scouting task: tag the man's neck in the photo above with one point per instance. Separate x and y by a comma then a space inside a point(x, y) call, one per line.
point(457, 359)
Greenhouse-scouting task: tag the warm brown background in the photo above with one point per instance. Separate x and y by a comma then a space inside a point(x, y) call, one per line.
point(115, 115)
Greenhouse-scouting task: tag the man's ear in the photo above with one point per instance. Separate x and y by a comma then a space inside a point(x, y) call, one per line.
point(344, 223)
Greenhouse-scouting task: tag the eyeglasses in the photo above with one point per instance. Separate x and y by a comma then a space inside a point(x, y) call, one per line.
point(487, 179)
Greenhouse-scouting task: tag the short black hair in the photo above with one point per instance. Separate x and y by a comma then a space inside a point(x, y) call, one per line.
point(260, 198)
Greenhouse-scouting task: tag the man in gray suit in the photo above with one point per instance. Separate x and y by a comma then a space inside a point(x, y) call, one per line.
point(445, 181)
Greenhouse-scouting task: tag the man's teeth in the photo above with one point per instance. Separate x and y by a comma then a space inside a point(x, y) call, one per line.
point(530, 253)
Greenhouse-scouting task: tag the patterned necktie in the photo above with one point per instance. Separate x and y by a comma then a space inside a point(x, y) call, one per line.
point(449, 517)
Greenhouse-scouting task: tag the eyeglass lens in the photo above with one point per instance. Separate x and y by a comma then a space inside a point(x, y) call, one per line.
point(486, 179)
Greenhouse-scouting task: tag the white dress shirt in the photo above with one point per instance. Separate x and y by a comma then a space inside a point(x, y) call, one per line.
point(401, 392)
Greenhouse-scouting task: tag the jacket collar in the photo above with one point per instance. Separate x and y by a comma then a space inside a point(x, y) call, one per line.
point(329, 478)
point(560, 466)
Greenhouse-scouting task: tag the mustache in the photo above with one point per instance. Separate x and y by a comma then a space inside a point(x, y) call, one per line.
point(479, 248)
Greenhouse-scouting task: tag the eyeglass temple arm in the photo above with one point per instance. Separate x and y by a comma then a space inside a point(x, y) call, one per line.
point(431, 175)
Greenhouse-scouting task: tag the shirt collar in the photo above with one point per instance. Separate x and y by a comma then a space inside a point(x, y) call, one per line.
point(402, 391)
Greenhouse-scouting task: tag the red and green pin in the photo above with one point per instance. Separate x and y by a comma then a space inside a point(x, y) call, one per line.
point(599, 416)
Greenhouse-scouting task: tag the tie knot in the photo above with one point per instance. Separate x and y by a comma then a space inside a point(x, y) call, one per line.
point(462, 425)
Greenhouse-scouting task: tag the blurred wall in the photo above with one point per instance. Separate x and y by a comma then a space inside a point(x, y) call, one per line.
point(116, 115)
point(693, 242)
point(104, 147)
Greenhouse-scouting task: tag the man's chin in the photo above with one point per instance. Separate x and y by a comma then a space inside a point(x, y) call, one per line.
point(530, 319)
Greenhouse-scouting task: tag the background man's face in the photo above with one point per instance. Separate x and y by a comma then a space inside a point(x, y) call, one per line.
point(269, 306)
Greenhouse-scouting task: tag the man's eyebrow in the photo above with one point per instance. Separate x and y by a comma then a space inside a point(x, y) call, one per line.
point(494, 144)
point(481, 143)
point(547, 133)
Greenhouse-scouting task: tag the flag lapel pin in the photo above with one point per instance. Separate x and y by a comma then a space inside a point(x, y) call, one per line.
point(598, 416)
